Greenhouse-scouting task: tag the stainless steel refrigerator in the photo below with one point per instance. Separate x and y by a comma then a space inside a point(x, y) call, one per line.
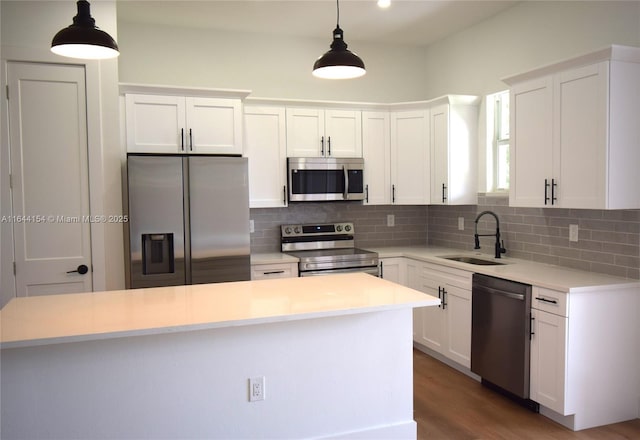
point(188, 220)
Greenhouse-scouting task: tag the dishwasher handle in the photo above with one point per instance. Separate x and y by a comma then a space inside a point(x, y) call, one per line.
point(492, 291)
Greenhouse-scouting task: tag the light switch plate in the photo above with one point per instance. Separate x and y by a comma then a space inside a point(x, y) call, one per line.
point(573, 232)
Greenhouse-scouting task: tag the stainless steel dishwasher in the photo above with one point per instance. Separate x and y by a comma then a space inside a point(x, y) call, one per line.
point(501, 334)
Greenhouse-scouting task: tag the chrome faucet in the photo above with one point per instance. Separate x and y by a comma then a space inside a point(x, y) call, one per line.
point(499, 247)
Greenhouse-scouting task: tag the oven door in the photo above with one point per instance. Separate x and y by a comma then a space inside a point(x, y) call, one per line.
point(325, 179)
point(371, 270)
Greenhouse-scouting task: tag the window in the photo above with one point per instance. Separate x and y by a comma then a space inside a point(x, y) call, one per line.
point(498, 141)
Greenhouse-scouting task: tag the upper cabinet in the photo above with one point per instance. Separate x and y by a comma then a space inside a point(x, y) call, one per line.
point(318, 132)
point(265, 146)
point(166, 120)
point(574, 132)
point(376, 151)
point(410, 157)
point(453, 134)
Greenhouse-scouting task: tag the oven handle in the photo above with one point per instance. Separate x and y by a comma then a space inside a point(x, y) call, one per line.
point(346, 182)
point(372, 270)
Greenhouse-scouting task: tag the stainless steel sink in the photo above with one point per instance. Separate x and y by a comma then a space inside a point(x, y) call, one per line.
point(473, 260)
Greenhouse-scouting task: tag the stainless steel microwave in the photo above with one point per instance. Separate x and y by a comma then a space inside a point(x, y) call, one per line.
point(325, 179)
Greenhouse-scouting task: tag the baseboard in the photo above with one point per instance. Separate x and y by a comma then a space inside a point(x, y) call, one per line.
point(464, 370)
point(405, 430)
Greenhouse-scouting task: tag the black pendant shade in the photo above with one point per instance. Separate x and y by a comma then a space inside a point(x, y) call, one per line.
point(339, 62)
point(83, 39)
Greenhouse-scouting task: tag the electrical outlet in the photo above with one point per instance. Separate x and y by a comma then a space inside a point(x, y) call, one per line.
point(461, 223)
point(256, 389)
point(252, 228)
point(391, 220)
point(573, 232)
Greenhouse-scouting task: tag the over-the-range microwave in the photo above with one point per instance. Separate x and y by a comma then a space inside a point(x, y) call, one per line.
point(325, 178)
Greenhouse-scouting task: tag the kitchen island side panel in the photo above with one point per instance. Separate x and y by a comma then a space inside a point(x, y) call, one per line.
point(345, 376)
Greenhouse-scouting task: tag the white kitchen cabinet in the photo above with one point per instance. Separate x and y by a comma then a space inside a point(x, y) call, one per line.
point(410, 157)
point(274, 270)
point(574, 133)
point(393, 269)
point(453, 133)
point(446, 329)
point(584, 355)
point(548, 359)
point(265, 146)
point(376, 151)
point(183, 124)
point(319, 132)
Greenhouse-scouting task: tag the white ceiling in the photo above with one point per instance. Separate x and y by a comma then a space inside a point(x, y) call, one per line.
point(407, 22)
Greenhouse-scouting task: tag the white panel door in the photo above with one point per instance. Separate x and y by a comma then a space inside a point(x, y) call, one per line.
point(580, 141)
point(49, 168)
point(265, 146)
point(214, 125)
point(376, 151)
point(410, 157)
point(440, 154)
point(531, 151)
point(305, 132)
point(155, 124)
point(343, 131)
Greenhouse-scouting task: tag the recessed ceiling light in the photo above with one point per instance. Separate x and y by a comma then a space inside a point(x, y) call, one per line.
point(384, 3)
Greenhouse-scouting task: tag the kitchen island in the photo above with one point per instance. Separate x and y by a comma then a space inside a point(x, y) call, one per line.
point(333, 356)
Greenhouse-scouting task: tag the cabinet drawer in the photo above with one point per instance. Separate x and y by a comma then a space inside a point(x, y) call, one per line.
point(265, 271)
point(551, 301)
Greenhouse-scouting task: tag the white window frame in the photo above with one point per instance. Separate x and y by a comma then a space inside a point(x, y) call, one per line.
point(497, 139)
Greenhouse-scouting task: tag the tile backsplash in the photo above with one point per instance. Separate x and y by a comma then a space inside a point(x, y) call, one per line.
point(370, 223)
point(608, 241)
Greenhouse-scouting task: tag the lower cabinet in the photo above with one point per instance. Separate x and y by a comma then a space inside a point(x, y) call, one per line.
point(446, 329)
point(548, 348)
point(276, 270)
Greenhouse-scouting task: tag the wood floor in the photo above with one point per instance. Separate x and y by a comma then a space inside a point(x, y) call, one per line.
point(449, 405)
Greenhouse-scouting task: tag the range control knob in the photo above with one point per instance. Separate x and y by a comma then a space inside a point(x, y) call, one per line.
point(339, 228)
point(296, 229)
point(287, 230)
point(347, 228)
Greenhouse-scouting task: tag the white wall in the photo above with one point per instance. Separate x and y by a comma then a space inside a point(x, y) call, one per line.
point(347, 375)
point(269, 66)
point(27, 28)
point(526, 36)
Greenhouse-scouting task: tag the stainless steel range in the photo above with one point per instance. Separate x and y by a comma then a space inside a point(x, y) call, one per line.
point(327, 248)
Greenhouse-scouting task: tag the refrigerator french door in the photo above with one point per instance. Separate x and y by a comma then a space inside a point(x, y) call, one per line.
point(188, 220)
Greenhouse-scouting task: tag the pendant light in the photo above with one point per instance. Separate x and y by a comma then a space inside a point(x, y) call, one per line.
point(83, 39)
point(339, 62)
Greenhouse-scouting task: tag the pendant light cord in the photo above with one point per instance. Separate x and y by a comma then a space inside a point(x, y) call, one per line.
point(338, 14)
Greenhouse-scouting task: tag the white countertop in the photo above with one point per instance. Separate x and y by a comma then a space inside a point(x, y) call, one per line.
point(272, 258)
point(524, 271)
point(42, 320)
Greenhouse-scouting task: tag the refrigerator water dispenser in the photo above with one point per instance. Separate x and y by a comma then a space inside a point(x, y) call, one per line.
point(157, 253)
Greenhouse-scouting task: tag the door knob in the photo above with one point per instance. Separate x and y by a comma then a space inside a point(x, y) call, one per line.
point(82, 269)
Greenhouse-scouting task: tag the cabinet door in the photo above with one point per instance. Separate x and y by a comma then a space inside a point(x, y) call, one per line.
point(580, 138)
point(432, 318)
point(410, 157)
point(214, 126)
point(343, 133)
point(531, 143)
point(305, 132)
point(439, 117)
point(376, 150)
point(392, 269)
point(458, 325)
point(155, 123)
point(265, 146)
point(548, 360)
